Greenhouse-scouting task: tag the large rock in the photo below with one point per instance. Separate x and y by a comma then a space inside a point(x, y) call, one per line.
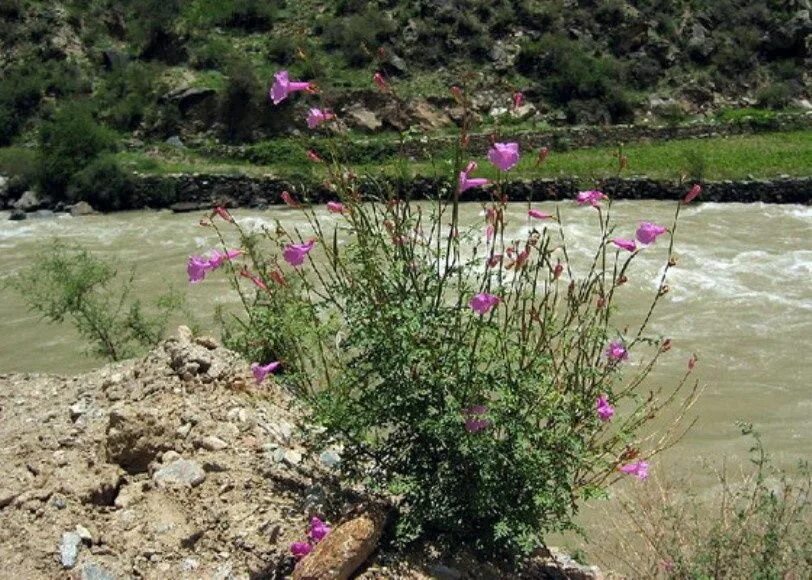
point(342, 552)
point(359, 117)
point(28, 202)
point(3, 186)
point(182, 472)
point(426, 116)
point(17, 215)
point(82, 208)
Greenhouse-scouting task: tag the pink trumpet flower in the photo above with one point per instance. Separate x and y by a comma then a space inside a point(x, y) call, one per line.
point(693, 194)
point(638, 469)
point(262, 371)
point(336, 207)
point(505, 156)
point(592, 198)
point(616, 351)
point(543, 153)
point(283, 86)
point(474, 422)
point(380, 82)
point(295, 254)
point(219, 258)
point(604, 409)
point(318, 530)
point(483, 302)
point(196, 268)
point(467, 182)
point(300, 549)
point(316, 117)
point(648, 232)
point(314, 157)
point(254, 278)
point(628, 245)
point(289, 199)
point(518, 99)
point(539, 215)
point(223, 213)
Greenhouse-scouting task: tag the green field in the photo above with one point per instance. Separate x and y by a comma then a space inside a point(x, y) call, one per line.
point(741, 157)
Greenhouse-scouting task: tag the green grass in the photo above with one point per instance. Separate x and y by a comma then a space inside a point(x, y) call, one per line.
point(741, 157)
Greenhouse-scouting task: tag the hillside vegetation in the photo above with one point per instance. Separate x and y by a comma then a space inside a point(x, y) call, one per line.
point(142, 71)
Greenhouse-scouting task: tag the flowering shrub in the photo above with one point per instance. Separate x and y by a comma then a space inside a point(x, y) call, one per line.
point(478, 381)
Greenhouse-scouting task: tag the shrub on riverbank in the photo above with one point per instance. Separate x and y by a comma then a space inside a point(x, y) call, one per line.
point(478, 381)
point(68, 283)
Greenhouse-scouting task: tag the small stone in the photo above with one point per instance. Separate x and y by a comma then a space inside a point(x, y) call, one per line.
point(95, 572)
point(444, 572)
point(78, 409)
point(84, 534)
point(293, 457)
point(69, 549)
point(212, 443)
point(170, 456)
point(183, 430)
point(330, 458)
point(182, 472)
point(189, 565)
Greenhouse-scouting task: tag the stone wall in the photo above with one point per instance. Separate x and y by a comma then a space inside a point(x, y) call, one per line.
point(193, 192)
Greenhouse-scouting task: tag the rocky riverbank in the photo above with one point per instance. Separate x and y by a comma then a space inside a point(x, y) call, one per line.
point(176, 465)
point(192, 192)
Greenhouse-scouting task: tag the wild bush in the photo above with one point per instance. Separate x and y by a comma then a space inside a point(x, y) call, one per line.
point(69, 284)
point(103, 184)
point(68, 143)
point(479, 380)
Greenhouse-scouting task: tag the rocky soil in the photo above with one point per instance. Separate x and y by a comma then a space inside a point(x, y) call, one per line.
point(177, 465)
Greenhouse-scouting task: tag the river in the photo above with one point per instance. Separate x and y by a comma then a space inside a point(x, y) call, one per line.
point(741, 298)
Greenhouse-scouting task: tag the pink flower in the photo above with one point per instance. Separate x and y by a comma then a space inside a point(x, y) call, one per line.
point(489, 231)
point(483, 302)
point(616, 351)
point(539, 215)
point(262, 371)
point(494, 260)
point(639, 469)
point(693, 194)
point(504, 155)
point(254, 278)
point(623, 244)
point(223, 213)
point(314, 157)
point(318, 530)
point(604, 409)
point(518, 99)
point(474, 422)
point(316, 117)
point(197, 267)
point(457, 92)
point(467, 182)
point(219, 258)
point(283, 86)
point(381, 83)
point(289, 199)
point(300, 549)
point(335, 207)
point(295, 254)
point(592, 198)
point(647, 232)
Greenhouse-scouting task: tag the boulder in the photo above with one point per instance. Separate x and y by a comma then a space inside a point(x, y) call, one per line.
point(423, 114)
point(359, 117)
point(82, 208)
point(3, 186)
point(182, 472)
point(342, 552)
point(28, 202)
point(17, 215)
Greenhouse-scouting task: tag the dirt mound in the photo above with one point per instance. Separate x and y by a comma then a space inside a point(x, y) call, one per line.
point(177, 466)
point(174, 465)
